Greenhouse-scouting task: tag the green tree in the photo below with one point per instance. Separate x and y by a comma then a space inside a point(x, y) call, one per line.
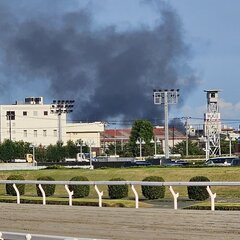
point(55, 153)
point(71, 149)
point(111, 149)
point(40, 153)
point(193, 148)
point(7, 150)
point(225, 144)
point(141, 129)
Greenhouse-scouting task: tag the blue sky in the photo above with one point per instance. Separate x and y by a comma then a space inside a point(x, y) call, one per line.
point(210, 29)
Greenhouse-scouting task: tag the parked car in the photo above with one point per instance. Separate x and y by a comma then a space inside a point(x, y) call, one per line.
point(223, 161)
point(235, 162)
point(137, 163)
point(170, 162)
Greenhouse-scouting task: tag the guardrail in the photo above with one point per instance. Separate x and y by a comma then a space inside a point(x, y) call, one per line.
point(132, 184)
point(24, 236)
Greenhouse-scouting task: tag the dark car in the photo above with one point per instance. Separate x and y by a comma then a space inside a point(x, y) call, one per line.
point(140, 163)
point(235, 162)
point(170, 162)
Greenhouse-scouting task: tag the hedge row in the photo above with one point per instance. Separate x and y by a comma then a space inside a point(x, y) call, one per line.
point(114, 191)
point(79, 191)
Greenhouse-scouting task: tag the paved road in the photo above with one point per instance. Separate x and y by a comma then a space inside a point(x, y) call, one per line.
point(120, 223)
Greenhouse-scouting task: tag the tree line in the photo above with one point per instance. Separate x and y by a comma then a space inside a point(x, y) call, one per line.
point(141, 130)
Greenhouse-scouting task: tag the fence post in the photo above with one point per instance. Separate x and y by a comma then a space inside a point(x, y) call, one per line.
point(136, 196)
point(70, 193)
point(1, 236)
point(28, 237)
point(100, 194)
point(175, 196)
point(17, 192)
point(213, 196)
point(43, 194)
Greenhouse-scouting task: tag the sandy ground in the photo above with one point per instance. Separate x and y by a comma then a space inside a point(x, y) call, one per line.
point(119, 223)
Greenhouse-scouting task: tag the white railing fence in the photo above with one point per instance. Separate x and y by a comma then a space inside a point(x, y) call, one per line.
point(132, 184)
point(24, 236)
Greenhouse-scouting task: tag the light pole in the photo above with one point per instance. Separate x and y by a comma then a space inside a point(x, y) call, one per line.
point(207, 148)
point(229, 138)
point(140, 142)
point(59, 107)
point(80, 144)
point(33, 151)
point(166, 97)
point(155, 141)
point(90, 144)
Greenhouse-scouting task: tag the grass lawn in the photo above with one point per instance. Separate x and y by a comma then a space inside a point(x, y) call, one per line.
point(137, 174)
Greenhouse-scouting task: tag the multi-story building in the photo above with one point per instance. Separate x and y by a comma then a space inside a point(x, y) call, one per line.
point(38, 123)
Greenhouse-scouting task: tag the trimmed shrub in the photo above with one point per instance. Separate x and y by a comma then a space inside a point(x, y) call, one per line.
point(55, 167)
point(49, 189)
point(79, 191)
point(9, 187)
point(117, 191)
point(153, 192)
point(198, 192)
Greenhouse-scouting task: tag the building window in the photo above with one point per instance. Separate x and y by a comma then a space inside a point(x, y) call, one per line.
point(24, 113)
point(44, 133)
point(10, 115)
point(35, 113)
point(55, 133)
point(25, 133)
point(45, 113)
point(35, 133)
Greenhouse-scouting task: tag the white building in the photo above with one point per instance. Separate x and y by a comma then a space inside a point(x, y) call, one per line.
point(35, 122)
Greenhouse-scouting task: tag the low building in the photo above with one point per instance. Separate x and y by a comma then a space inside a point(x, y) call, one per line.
point(112, 136)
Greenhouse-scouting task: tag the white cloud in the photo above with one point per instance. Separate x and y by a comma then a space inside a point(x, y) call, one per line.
point(229, 110)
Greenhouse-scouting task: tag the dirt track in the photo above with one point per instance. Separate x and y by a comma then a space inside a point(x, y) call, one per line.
point(119, 223)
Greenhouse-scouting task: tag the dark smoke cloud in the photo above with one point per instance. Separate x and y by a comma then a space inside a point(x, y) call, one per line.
point(111, 74)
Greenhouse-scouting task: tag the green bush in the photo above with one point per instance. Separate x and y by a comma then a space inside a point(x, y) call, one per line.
point(153, 192)
point(117, 191)
point(9, 187)
point(198, 192)
point(49, 189)
point(79, 191)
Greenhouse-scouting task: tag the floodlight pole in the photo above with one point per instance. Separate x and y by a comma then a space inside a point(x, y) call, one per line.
point(166, 124)
point(166, 97)
point(59, 107)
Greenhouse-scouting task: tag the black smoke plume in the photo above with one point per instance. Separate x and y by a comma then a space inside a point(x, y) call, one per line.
point(62, 53)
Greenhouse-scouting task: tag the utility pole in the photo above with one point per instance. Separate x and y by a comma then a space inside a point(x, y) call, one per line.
point(186, 127)
point(166, 97)
point(59, 107)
